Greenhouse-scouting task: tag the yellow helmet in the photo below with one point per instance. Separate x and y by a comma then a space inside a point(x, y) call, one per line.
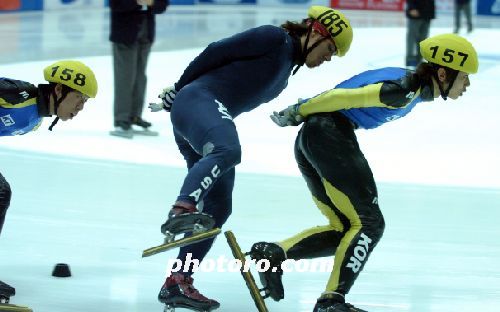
point(73, 74)
point(337, 25)
point(451, 51)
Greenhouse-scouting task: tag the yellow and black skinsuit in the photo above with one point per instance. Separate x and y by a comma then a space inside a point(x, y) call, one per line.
point(337, 173)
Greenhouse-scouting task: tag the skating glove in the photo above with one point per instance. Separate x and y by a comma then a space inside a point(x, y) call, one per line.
point(167, 97)
point(289, 116)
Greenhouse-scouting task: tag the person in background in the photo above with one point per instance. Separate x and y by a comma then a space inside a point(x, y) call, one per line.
point(465, 7)
point(337, 173)
point(23, 107)
point(419, 14)
point(230, 77)
point(132, 35)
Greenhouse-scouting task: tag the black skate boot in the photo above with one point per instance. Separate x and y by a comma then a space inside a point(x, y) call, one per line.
point(144, 127)
point(184, 217)
point(334, 302)
point(6, 291)
point(178, 291)
point(271, 279)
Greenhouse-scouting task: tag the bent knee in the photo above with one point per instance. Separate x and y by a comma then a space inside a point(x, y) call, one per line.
point(374, 224)
point(230, 155)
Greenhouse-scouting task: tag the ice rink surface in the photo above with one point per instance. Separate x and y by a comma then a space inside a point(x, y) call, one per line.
point(95, 202)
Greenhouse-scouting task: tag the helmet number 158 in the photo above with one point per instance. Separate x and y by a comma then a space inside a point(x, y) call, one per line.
point(66, 74)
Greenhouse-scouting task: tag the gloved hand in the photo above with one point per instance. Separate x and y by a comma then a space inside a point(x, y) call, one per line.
point(288, 117)
point(167, 97)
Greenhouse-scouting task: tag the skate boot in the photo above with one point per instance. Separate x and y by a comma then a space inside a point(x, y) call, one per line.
point(122, 129)
point(144, 125)
point(185, 218)
point(271, 279)
point(6, 291)
point(178, 292)
point(333, 302)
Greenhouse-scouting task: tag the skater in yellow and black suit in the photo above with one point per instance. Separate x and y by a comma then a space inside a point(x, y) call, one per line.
point(336, 171)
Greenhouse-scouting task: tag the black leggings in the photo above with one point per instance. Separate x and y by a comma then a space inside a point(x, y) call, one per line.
point(343, 188)
point(5, 194)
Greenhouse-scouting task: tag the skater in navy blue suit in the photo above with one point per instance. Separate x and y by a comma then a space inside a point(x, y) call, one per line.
point(230, 77)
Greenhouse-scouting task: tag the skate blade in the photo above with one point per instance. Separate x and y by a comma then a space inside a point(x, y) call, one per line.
point(122, 134)
point(146, 132)
point(181, 242)
point(170, 307)
point(247, 276)
point(6, 307)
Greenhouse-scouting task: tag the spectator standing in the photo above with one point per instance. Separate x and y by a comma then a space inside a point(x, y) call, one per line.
point(463, 6)
point(419, 14)
point(132, 35)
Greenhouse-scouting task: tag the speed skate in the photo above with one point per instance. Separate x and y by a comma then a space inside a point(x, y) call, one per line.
point(255, 292)
point(6, 292)
point(199, 225)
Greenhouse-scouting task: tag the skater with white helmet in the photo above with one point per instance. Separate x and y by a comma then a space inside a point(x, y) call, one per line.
point(336, 171)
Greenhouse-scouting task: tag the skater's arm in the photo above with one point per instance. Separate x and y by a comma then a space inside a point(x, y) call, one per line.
point(389, 94)
point(253, 43)
point(16, 92)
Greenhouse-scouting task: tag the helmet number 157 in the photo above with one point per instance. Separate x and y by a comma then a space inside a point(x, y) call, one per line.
point(448, 55)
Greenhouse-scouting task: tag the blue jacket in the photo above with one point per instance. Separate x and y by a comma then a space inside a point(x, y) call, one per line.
point(22, 106)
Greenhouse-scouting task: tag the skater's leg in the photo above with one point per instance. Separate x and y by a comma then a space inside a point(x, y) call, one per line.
point(330, 144)
point(205, 124)
point(315, 242)
point(178, 287)
point(318, 241)
point(5, 195)
point(218, 204)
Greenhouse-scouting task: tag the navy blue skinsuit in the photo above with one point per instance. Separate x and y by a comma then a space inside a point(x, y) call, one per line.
point(229, 77)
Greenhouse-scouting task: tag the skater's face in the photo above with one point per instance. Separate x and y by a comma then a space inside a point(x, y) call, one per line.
point(72, 104)
point(459, 86)
point(322, 52)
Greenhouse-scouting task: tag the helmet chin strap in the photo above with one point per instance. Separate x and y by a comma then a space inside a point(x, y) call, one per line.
point(305, 50)
point(57, 102)
point(444, 93)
